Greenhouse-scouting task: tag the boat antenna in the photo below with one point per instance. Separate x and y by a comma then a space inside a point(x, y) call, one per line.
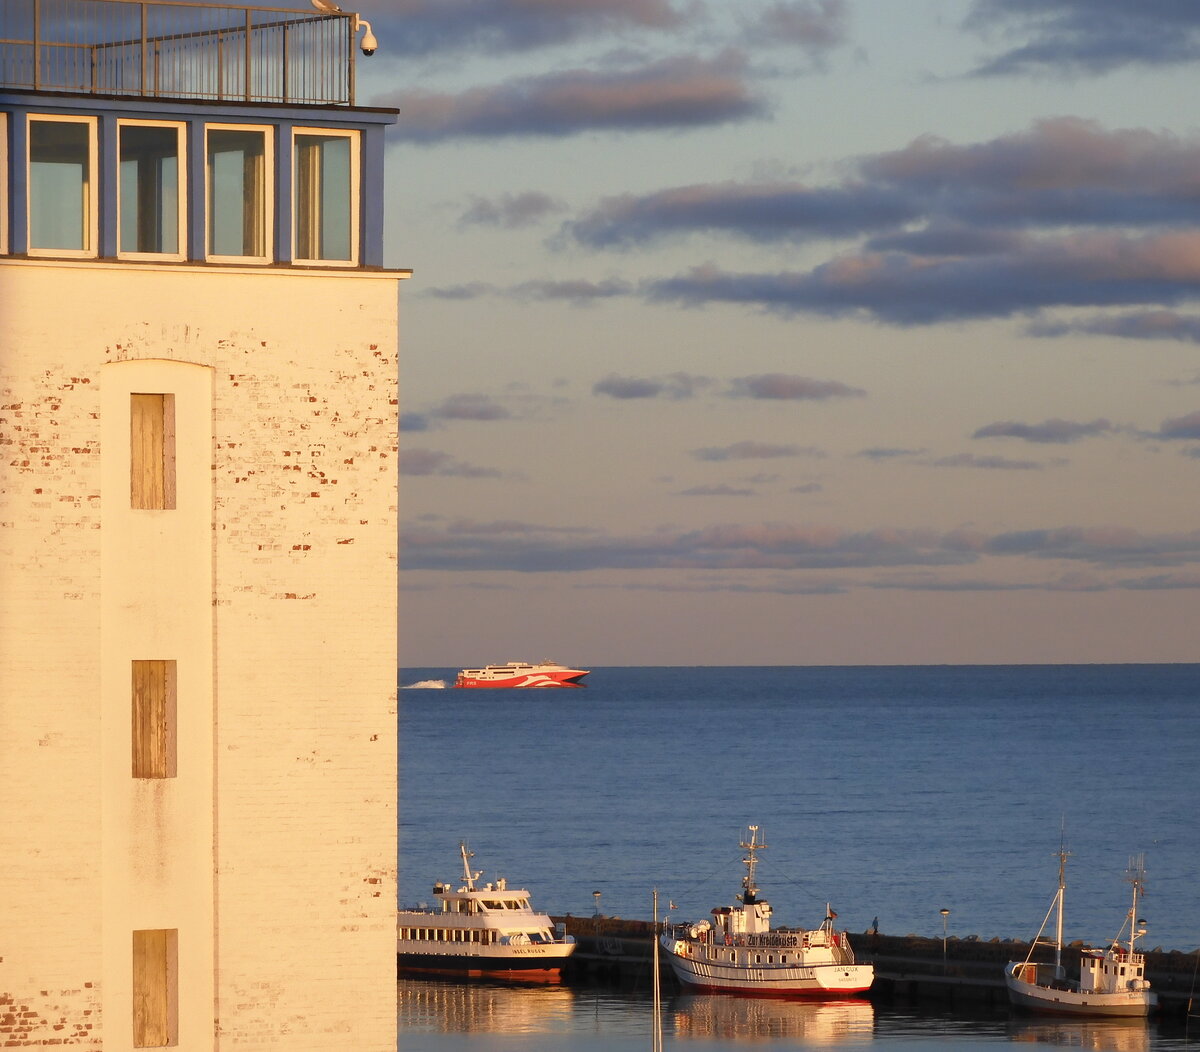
point(750, 890)
point(467, 855)
point(1135, 874)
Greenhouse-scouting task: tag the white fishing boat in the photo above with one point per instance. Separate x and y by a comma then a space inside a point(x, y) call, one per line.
point(1111, 982)
point(739, 952)
point(489, 931)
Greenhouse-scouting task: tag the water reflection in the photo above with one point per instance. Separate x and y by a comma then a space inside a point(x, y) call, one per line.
point(446, 1006)
point(764, 1019)
point(442, 1015)
point(1101, 1035)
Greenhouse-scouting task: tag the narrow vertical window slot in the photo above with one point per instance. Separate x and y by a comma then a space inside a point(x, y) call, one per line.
point(156, 988)
point(154, 719)
point(152, 451)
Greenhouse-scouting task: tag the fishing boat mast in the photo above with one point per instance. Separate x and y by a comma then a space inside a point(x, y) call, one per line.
point(1063, 853)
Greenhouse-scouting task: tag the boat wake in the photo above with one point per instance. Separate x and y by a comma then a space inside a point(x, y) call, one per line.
point(426, 684)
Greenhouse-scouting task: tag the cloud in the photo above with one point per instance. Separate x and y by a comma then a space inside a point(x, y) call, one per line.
point(1065, 215)
point(887, 453)
point(1069, 37)
point(682, 92)
point(1138, 325)
point(425, 27)
point(470, 407)
point(1078, 270)
point(752, 451)
point(935, 198)
point(578, 292)
point(414, 422)
point(768, 546)
point(807, 487)
point(1060, 171)
point(1181, 427)
point(510, 211)
point(782, 386)
point(435, 462)
point(1111, 546)
point(472, 290)
point(778, 586)
point(526, 548)
point(764, 212)
point(1055, 430)
point(970, 460)
point(1163, 582)
point(674, 385)
point(816, 26)
point(722, 490)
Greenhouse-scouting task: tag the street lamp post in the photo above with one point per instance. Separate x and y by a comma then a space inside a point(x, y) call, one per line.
point(945, 913)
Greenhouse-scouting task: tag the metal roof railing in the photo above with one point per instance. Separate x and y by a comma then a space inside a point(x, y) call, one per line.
point(167, 49)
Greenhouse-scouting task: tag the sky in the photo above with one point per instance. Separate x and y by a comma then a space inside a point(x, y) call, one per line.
point(795, 332)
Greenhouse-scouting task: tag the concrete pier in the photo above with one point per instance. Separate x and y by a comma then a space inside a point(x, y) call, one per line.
point(908, 967)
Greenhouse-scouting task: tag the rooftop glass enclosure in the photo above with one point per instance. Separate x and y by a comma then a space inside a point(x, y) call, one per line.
point(178, 50)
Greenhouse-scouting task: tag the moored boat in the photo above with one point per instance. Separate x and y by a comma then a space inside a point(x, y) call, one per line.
point(490, 931)
point(521, 674)
point(739, 952)
point(1111, 983)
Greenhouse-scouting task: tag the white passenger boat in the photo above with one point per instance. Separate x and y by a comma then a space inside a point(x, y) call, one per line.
point(739, 952)
point(480, 931)
point(1111, 982)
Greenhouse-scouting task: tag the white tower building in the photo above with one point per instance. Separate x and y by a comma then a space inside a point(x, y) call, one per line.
point(197, 533)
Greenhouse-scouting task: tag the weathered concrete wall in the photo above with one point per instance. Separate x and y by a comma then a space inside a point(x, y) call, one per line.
point(290, 773)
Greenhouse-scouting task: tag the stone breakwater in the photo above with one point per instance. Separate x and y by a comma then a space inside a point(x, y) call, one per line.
point(911, 966)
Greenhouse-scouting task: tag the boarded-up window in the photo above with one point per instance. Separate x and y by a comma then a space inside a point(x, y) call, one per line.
point(152, 450)
point(154, 719)
point(155, 988)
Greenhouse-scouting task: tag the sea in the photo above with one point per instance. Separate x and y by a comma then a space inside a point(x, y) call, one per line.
point(890, 794)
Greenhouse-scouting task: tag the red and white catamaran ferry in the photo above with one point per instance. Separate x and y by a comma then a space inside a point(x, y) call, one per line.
point(739, 952)
point(490, 931)
point(521, 674)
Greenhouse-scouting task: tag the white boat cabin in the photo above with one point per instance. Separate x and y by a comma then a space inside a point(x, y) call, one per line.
point(1111, 971)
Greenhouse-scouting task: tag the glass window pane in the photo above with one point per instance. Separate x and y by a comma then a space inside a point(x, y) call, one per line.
point(59, 185)
point(149, 189)
point(237, 193)
point(323, 197)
